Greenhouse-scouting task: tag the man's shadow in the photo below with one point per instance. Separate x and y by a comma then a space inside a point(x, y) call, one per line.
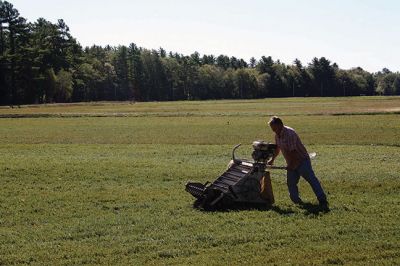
point(314, 209)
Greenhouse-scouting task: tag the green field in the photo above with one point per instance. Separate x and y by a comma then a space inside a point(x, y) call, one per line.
point(103, 183)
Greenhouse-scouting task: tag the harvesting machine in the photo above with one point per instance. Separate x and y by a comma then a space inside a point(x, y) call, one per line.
point(244, 182)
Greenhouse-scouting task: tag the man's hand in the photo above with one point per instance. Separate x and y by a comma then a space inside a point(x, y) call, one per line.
point(271, 161)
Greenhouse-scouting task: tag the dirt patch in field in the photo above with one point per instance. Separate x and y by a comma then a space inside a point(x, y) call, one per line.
point(395, 109)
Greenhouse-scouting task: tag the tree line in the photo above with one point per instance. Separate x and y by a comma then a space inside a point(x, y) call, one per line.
point(41, 62)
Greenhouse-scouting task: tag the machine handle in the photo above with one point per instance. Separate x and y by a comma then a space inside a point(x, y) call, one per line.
point(233, 152)
point(276, 167)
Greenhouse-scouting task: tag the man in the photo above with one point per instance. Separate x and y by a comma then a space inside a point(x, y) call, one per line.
point(297, 159)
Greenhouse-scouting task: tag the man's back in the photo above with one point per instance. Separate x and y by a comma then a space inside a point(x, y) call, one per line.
point(289, 141)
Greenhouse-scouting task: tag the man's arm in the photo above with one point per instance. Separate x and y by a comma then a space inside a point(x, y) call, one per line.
point(271, 161)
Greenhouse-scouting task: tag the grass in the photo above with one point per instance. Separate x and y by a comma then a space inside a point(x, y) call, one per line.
point(110, 190)
point(231, 108)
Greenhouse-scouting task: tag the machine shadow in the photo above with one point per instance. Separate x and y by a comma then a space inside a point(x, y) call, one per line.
point(309, 208)
point(249, 207)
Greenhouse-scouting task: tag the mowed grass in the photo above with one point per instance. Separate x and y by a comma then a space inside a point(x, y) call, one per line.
point(234, 108)
point(110, 190)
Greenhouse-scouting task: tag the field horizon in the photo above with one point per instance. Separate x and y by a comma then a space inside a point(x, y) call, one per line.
point(103, 183)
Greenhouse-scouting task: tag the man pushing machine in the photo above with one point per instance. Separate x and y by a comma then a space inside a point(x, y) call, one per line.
point(298, 161)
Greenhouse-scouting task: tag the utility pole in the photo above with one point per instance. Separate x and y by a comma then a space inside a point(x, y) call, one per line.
point(322, 86)
point(293, 88)
point(3, 63)
point(1, 38)
point(344, 88)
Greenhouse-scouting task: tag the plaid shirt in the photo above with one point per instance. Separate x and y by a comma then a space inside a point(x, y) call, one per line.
point(288, 140)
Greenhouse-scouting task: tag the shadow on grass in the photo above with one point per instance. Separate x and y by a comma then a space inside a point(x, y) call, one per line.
point(310, 208)
point(263, 207)
point(313, 209)
point(249, 207)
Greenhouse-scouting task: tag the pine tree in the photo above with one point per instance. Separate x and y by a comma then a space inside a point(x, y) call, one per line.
point(9, 61)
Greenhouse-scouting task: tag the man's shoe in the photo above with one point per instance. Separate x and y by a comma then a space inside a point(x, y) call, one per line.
point(324, 205)
point(298, 202)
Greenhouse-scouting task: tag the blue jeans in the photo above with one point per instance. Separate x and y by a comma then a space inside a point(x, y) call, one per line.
point(305, 170)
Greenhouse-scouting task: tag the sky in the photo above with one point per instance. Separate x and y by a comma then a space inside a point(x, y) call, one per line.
point(351, 33)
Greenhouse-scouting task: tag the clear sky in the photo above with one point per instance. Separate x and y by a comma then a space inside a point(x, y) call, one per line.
point(351, 33)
